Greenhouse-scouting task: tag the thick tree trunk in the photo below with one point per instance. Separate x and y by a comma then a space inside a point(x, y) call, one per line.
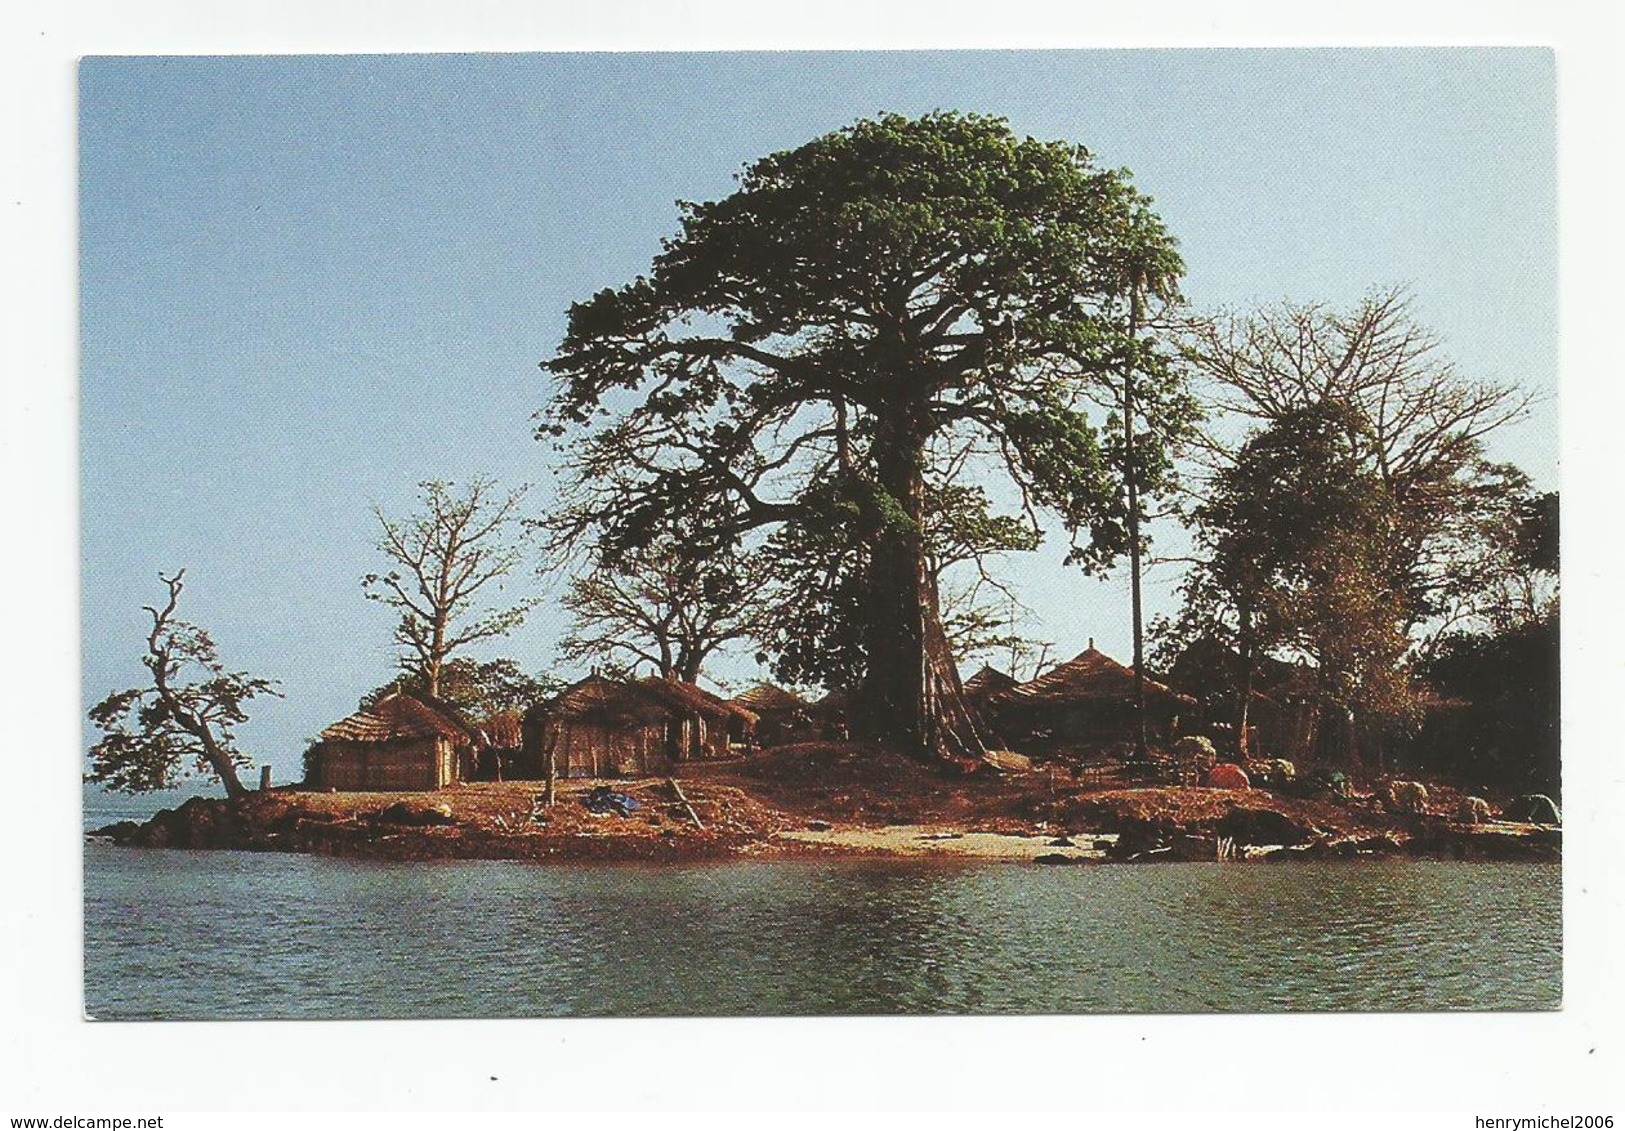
point(911, 696)
point(437, 658)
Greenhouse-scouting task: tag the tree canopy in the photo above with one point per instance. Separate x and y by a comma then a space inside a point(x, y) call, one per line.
point(1504, 687)
point(476, 688)
point(1360, 515)
point(1415, 423)
point(660, 607)
point(810, 353)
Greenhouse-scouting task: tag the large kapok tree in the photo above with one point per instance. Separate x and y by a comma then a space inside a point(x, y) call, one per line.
point(804, 346)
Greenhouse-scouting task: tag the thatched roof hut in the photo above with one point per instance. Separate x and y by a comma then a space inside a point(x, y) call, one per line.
point(1091, 676)
point(782, 716)
point(767, 698)
point(681, 698)
point(989, 681)
point(1089, 699)
point(600, 727)
point(403, 742)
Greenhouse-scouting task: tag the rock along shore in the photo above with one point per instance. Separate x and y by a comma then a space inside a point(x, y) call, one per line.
point(829, 800)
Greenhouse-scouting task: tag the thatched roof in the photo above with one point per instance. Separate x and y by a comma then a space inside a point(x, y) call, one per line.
point(396, 718)
point(767, 698)
point(684, 697)
point(1089, 676)
point(989, 681)
point(647, 700)
point(598, 697)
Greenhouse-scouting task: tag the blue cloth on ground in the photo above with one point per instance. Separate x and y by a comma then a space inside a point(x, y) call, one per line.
point(605, 801)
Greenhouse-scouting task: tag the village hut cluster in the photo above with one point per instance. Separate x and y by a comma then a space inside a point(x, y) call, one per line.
point(604, 727)
point(598, 727)
point(1086, 702)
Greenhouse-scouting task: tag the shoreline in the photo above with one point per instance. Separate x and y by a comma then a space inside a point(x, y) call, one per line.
point(724, 815)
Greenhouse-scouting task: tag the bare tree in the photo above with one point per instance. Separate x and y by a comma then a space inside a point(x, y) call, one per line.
point(1359, 513)
point(443, 559)
point(1416, 422)
point(662, 609)
point(187, 713)
point(983, 620)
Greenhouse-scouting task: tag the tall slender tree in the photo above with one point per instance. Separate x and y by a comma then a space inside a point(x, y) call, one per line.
point(799, 345)
point(1148, 277)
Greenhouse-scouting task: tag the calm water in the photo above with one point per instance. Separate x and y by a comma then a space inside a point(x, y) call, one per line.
point(214, 935)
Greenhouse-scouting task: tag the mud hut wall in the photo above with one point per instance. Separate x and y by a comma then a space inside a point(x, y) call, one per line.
point(413, 764)
point(1078, 722)
point(697, 737)
point(685, 738)
point(710, 741)
point(592, 749)
point(680, 735)
point(456, 762)
point(722, 731)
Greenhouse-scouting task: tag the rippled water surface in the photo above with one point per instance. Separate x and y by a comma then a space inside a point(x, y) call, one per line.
point(222, 934)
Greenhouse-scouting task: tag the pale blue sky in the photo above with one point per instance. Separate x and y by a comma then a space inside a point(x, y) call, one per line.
point(309, 282)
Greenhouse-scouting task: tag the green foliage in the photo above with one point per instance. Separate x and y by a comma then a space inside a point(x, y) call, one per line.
point(1414, 423)
point(1513, 580)
point(1506, 729)
point(1360, 517)
point(961, 526)
point(308, 761)
point(154, 737)
point(815, 577)
point(476, 688)
point(1537, 540)
point(807, 354)
point(815, 567)
point(1294, 541)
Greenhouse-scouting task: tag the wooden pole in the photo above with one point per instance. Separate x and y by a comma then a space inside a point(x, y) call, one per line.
point(1134, 523)
point(265, 778)
point(552, 767)
point(681, 797)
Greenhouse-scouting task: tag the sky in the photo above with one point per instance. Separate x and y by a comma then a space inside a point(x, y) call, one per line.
point(308, 283)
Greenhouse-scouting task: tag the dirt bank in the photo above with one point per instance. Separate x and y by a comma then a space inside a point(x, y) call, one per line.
point(829, 798)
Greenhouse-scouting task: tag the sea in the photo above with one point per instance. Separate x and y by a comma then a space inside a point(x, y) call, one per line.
point(215, 935)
